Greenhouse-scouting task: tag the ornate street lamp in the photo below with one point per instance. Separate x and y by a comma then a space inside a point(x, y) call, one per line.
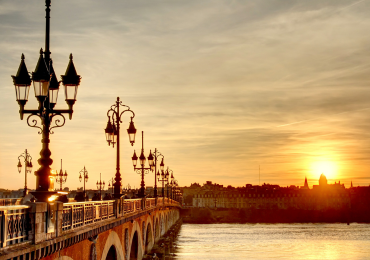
point(163, 176)
point(45, 117)
point(173, 188)
point(60, 177)
point(168, 171)
point(100, 186)
point(142, 170)
point(28, 168)
point(156, 156)
point(113, 137)
point(85, 176)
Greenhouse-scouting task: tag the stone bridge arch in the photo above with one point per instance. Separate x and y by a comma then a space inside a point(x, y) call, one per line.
point(162, 228)
point(112, 253)
point(166, 223)
point(149, 240)
point(156, 228)
point(113, 243)
point(135, 249)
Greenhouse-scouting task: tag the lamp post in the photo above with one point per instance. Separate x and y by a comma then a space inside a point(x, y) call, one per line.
point(175, 191)
point(111, 184)
point(100, 186)
point(156, 156)
point(27, 168)
point(168, 181)
point(85, 179)
point(113, 137)
point(173, 188)
point(45, 117)
point(163, 176)
point(61, 178)
point(142, 170)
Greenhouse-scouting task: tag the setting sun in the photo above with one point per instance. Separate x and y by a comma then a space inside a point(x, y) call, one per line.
point(328, 168)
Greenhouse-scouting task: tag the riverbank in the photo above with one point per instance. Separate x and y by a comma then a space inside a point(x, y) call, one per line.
point(213, 216)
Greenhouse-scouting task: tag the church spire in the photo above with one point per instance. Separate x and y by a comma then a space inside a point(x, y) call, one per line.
point(305, 183)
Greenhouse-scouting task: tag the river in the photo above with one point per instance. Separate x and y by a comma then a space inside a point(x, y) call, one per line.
point(272, 241)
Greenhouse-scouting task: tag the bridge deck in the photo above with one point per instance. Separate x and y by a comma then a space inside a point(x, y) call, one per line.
point(39, 229)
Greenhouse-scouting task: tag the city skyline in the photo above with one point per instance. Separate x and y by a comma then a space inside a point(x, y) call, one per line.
point(219, 87)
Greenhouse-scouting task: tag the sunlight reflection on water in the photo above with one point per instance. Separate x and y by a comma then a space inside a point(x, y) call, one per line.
point(273, 241)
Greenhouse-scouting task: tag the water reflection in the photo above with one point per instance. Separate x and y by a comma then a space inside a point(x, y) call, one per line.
point(267, 241)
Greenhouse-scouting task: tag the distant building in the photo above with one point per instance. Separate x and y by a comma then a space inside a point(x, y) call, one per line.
point(322, 196)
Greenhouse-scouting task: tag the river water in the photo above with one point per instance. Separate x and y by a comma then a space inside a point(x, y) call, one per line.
point(273, 241)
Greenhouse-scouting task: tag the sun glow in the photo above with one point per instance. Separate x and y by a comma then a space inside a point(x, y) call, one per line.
point(328, 168)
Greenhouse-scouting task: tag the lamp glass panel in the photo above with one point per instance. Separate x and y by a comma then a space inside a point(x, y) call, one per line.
point(28, 168)
point(109, 132)
point(71, 92)
point(142, 160)
point(131, 137)
point(108, 136)
point(114, 138)
point(53, 95)
point(22, 92)
point(41, 88)
point(134, 159)
point(150, 161)
point(19, 165)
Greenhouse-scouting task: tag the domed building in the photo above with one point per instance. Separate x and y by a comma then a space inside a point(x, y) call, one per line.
point(323, 181)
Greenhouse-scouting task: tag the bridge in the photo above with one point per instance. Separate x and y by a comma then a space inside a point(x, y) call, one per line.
point(112, 229)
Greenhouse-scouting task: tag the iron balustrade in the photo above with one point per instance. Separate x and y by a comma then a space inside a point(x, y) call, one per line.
point(128, 206)
point(78, 214)
point(14, 225)
point(150, 203)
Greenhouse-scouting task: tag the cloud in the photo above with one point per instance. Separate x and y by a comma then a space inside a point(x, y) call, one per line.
point(209, 82)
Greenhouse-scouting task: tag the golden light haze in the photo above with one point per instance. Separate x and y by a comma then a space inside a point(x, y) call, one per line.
point(219, 87)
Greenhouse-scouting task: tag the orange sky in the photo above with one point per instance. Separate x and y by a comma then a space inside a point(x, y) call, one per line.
point(219, 87)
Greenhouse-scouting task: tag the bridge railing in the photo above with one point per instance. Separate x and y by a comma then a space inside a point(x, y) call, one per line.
point(150, 203)
point(83, 213)
point(14, 224)
point(132, 205)
point(15, 220)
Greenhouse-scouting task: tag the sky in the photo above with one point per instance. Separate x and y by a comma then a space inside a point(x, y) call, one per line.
point(222, 88)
